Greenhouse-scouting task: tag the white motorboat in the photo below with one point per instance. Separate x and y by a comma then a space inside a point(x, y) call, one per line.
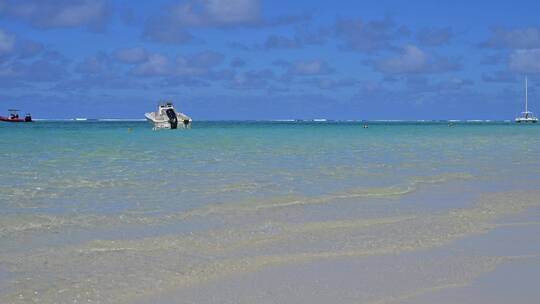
point(167, 117)
point(526, 116)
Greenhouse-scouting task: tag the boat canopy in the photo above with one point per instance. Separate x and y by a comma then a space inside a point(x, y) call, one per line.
point(165, 104)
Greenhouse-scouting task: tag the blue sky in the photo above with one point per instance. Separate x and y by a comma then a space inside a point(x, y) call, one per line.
point(249, 59)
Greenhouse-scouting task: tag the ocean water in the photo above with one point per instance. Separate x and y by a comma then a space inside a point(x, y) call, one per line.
point(114, 212)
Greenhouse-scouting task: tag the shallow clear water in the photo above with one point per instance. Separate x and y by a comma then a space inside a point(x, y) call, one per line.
point(78, 199)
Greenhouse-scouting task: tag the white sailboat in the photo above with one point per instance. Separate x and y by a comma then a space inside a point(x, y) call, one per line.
point(526, 116)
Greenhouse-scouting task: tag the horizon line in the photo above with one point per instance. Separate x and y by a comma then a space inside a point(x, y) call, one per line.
point(80, 119)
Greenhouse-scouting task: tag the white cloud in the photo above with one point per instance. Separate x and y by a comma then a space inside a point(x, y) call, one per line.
point(197, 64)
point(233, 11)
point(215, 12)
point(369, 36)
point(499, 76)
point(74, 15)
point(62, 13)
point(40, 70)
point(171, 27)
point(434, 36)
point(309, 68)
point(525, 61)
point(156, 65)
point(7, 42)
point(96, 64)
point(414, 60)
point(131, 55)
point(525, 38)
point(202, 60)
point(12, 45)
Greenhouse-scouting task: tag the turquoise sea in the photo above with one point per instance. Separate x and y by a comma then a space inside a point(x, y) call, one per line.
point(114, 212)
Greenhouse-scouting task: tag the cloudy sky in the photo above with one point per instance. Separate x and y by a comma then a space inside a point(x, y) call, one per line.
point(258, 59)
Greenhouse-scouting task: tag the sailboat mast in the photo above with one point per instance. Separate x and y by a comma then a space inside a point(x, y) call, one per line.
point(526, 95)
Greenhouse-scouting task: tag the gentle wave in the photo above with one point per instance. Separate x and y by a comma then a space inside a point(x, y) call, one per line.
point(363, 193)
point(42, 222)
point(121, 270)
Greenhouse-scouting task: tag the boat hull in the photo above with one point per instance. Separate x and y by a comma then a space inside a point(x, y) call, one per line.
point(160, 122)
point(526, 120)
point(7, 119)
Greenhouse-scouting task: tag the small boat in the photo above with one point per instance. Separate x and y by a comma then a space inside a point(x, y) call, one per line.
point(167, 117)
point(14, 117)
point(526, 116)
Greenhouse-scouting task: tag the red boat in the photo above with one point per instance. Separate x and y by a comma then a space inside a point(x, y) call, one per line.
point(14, 117)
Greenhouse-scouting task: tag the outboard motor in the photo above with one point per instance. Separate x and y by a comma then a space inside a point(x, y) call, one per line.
point(173, 120)
point(28, 118)
point(186, 122)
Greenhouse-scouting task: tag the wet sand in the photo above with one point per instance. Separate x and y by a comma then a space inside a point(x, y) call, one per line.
point(501, 265)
